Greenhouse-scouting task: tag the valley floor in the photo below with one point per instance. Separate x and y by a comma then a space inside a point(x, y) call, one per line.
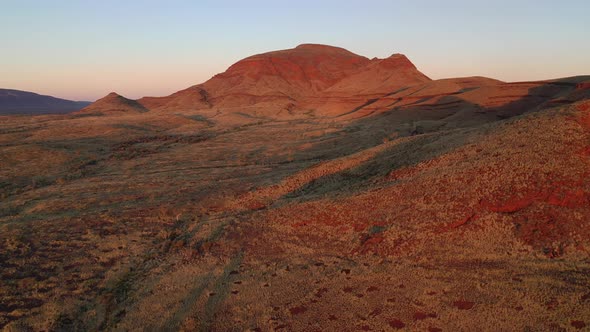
point(171, 222)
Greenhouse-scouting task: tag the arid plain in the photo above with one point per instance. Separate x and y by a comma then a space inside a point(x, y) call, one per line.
point(309, 189)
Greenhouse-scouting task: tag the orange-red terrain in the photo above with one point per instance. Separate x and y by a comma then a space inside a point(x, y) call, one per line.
point(309, 189)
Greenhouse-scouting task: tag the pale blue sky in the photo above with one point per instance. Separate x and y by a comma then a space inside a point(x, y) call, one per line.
point(85, 49)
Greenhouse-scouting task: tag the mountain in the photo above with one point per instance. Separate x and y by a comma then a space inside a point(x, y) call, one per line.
point(294, 79)
point(301, 190)
point(24, 102)
point(325, 82)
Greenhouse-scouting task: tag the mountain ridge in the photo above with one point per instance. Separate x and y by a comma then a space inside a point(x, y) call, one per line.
point(14, 101)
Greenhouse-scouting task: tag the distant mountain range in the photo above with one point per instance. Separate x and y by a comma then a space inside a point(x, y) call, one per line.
point(24, 102)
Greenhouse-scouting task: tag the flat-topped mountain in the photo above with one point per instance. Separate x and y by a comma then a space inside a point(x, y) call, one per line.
point(24, 102)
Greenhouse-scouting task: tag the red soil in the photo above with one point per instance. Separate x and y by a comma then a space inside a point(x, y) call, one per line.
point(397, 324)
point(463, 305)
point(578, 324)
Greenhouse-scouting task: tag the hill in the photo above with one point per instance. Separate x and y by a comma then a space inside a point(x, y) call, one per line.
point(113, 103)
point(24, 102)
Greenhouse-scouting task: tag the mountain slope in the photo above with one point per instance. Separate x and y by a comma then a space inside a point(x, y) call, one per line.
point(380, 76)
point(191, 98)
point(24, 102)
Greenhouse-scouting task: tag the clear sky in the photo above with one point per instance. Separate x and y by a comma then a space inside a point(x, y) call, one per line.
point(83, 50)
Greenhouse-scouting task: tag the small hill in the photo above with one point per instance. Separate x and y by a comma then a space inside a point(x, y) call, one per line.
point(25, 102)
point(114, 103)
